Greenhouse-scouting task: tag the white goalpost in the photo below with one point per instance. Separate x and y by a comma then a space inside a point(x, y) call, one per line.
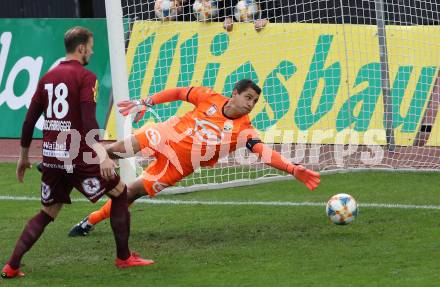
point(119, 78)
point(346, 85)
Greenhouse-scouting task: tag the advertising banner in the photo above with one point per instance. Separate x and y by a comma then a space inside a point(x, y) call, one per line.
point(28, 49)
point(321, 83)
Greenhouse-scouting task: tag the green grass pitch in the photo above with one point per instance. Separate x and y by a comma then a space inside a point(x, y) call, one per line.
point(242, 245)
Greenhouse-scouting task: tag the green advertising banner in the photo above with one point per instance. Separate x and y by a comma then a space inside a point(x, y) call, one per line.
point(28, 49)
point(321, 83)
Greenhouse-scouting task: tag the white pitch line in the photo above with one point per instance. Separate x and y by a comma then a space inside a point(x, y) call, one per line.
point(240, 203)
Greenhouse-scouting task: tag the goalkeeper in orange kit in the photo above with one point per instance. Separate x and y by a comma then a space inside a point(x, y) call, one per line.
point(215, 127)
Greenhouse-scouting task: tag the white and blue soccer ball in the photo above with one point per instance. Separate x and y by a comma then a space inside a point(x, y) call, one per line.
point(247, 11)
point(166, 10)
point(342, 209)
point(205, 10)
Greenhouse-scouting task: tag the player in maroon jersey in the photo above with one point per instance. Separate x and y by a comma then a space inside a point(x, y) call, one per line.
point(71, 155)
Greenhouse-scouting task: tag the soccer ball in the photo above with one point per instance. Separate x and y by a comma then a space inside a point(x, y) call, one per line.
point(246, 11)
point(166, 10)
point(205, 10)
point(341, 209)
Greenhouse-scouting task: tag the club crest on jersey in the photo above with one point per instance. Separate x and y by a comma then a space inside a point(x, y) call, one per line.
point(228, 126)
point(212, 110)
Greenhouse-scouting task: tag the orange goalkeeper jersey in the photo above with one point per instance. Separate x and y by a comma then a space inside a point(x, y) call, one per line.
point(206, 130)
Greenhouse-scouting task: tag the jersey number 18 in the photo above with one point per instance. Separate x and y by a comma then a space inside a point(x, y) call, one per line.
point(61, 93)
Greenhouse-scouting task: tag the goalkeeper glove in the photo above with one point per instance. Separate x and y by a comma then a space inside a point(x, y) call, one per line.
point(136, 106)
point(310, 178)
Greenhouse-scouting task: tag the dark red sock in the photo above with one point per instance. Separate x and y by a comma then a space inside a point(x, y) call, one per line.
point(32, 231)
point(120, 222)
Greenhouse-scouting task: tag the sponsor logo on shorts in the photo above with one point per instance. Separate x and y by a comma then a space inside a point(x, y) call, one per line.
point(159, 186)
point(153, 136)
point(97, 194)
point(91, 185)
point(189, 132)
point(45, 191)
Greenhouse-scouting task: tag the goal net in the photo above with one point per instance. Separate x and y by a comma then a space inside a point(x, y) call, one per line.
point(345, 84)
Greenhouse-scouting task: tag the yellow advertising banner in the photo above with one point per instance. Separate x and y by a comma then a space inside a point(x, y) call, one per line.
point(320, 83)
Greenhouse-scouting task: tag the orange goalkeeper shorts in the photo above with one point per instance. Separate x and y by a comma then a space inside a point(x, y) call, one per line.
point(170, 164)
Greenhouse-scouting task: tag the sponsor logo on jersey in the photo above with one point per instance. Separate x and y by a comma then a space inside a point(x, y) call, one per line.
point(59, 166)
point(212, 110)
point(54, 149)
point(207, 132)
point(56, 153)
point(54, 145)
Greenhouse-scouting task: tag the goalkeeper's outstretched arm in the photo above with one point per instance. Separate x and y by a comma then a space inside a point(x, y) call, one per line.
point(310, 178)
point(139, 107)
point(129, 146)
